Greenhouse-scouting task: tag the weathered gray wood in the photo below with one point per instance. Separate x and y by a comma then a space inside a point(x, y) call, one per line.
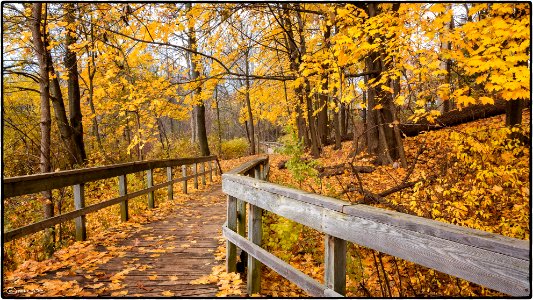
point(332, 293)
point(149, 184)
point(247, 166)
point(488, 268)
point(123, 190)
point(491, 269)
point(170, 190)
point(195, 170)
point(306, 283)
point(255, 234)
point(481, 239)
point(210, 170)
point(257, 172)
point(335, 264)
point(79, 203)
point(266, 170)
point(22, 185)
point(319, 200)
point(217, 166)
point(231, 223)
point(241, 217)
point(202, 169)
point(477, 238)
point(35, 227)
point(184, 174)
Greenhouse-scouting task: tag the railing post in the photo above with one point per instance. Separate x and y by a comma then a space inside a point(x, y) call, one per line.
point(149, 184)
point(255, 233)
point(231, 250)
point(241, 217)
point(335, 264)
point(202, 169)
point(257, 172)
point(123, 190)
point(170, 191)
point(266, 167)
point(184, 174)
point(211, 171)
point(79, 203)
point(196, 176)
point(241, 225)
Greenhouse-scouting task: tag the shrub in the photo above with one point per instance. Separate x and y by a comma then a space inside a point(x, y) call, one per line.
point(300, 168)
point(234, 148)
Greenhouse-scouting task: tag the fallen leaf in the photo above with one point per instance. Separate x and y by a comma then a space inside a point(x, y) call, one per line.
point(95, 286)
point(121, 293)
point(153, 277)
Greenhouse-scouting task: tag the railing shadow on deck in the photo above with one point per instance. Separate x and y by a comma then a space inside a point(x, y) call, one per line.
point(491, 260)
point(23, 185)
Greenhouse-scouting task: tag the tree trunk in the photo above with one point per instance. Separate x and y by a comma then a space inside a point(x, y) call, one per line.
point(315, 150)
point(91, 71)
point(513, 112)
point(65, 131)
point(249, 105)
point(138, 147)
point(202, 130)
point(396, 122)
point(218, 123)
point(387, 149)
point(294, 59)
point(342, 119)
point(74, 97)
point(448, 104)
point(323, 97)
point(313, 136)
point(337, 130)
point(371, 116)
point(46, 120)
point(199, 108)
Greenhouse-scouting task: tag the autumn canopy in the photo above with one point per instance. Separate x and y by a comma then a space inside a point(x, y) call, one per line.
point(92, 84)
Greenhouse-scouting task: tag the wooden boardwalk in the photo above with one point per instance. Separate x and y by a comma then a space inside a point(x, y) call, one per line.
point(162, 256)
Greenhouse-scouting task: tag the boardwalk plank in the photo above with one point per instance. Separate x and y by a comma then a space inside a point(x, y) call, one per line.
point(157, 249)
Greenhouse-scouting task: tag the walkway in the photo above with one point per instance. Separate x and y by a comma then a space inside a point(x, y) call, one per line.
point(157, 259)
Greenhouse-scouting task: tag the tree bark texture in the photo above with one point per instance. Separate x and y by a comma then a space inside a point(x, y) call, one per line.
point(249, 105)
point(456, 117)
point(38, 36)
point(74, 97)
point(381, 140)
point(199, 108)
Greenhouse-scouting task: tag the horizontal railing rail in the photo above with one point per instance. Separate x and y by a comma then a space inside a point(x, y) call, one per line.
point(491, 260)
point(23, 185)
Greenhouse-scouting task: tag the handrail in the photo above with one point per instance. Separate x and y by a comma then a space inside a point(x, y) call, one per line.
point(22, 185)
point(249, 165)
point(488, 259)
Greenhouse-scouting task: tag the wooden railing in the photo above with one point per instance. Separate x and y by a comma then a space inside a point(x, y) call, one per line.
point(491, 260)
point(23, 185)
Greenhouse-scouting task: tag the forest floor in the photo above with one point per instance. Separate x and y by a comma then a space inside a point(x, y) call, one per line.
point(470, 175)
point(160, 256)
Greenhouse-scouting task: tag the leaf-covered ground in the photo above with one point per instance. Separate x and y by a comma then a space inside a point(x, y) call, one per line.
point(470, 175)
point(155, 254)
